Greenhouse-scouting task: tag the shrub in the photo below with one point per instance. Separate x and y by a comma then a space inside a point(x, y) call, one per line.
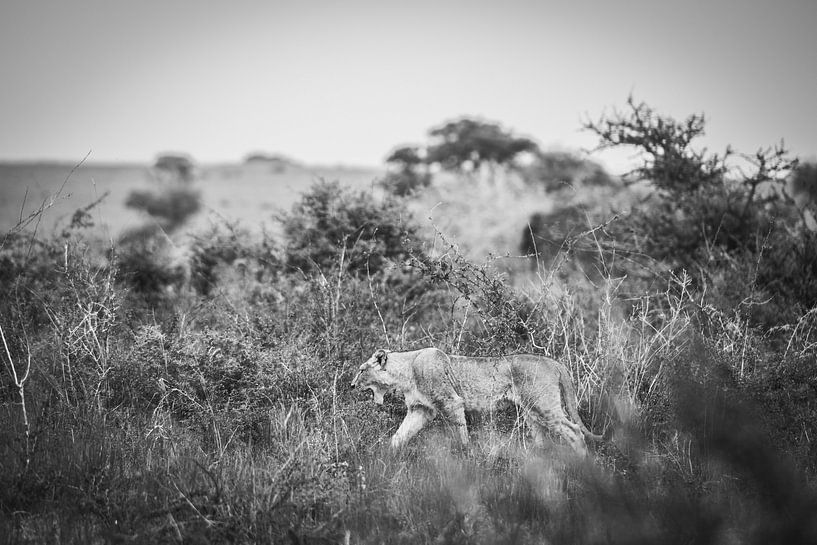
point(171, 207)
point(787, 392)
point(149, 267)
point(804, 183)
point(505, 320)
point(332, 224)
point(557, 170)
point(405, 182)
point(546, 235)
point(228, 246)
point(28, 271)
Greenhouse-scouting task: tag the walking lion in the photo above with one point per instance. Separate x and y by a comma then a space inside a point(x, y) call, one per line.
point(432, 382)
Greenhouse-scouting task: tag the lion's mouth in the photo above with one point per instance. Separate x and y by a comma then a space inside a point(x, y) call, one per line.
point(373, 392)
point(377, 396)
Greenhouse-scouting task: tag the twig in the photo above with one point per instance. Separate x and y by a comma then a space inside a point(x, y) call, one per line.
point(376, 307)
point(20, 383)
point(47, 203)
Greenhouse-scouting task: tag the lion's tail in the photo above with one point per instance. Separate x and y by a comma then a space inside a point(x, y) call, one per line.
point(570, 403)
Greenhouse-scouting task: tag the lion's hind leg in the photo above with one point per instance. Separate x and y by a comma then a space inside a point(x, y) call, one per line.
point(557, 423)
point(536, 427)
point(571, 434)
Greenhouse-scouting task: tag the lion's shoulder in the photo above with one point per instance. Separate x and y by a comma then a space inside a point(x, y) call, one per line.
point(432, 356)
point(417, 368)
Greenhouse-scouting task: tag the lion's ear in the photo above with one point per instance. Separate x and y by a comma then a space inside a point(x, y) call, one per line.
point(380, 357)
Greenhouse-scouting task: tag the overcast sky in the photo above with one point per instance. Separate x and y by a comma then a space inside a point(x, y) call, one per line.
point(344, 82)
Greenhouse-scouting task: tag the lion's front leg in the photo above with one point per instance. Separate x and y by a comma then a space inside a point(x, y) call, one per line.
point(415, 419)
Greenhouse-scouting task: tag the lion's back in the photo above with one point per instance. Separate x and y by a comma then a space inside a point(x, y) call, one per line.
point(485, 381)
point(482, 382)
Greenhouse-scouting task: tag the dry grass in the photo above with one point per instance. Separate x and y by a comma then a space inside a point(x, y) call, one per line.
point(231, 420)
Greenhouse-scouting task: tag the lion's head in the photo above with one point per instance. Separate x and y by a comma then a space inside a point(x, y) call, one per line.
point(374, 376)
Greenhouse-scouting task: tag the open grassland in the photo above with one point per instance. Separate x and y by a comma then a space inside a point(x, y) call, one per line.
point(250, 192)
point(150, 400)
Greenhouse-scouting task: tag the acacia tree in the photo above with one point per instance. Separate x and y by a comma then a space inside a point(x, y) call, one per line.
point(467, 144)
point(708, 217)
point(463, 145)
point(699, 203)
point(406, 157)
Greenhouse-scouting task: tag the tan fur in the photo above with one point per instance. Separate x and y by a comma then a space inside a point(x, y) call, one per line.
point(433, 382)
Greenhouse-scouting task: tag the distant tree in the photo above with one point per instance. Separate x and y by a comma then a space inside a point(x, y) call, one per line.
point(177, 167)
point(406, 157)
point(463, 145)
point(410, 172)
point(278, 163)
point(467, 144)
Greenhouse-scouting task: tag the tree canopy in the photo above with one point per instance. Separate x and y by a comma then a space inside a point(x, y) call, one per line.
point(468, 143)
point(406, 157)
point(178, 167)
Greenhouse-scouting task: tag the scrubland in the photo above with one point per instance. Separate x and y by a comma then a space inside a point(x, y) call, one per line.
point(149, 398)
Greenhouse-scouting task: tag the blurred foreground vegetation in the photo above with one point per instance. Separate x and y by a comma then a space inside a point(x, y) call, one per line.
point(157, 395)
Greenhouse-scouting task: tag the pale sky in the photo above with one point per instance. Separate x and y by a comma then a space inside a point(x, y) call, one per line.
point(344, 82)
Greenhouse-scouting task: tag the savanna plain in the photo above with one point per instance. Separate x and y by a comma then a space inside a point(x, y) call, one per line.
point(178, 342)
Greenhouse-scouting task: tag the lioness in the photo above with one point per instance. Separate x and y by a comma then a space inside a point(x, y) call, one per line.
point(433, 381)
